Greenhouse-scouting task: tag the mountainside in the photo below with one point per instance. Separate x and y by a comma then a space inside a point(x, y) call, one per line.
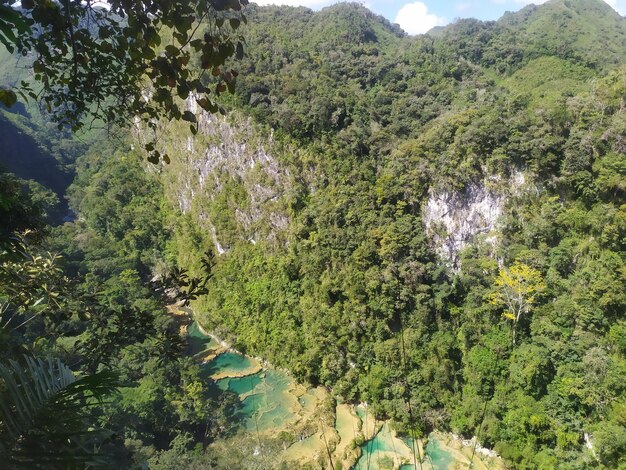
point(423, 169)
point(434, 225)
point(23, 155)
point(34, 148)
point(587, 32)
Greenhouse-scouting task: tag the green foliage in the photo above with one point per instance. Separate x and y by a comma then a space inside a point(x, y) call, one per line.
point(45, 411)
point(97, 308)
point(381, 121)
point(19, 212)
point(92, 62)
point(368, 124)
point(166, 404)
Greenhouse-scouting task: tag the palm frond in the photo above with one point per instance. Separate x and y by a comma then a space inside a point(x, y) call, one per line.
point(43, 411)
point(28, 389)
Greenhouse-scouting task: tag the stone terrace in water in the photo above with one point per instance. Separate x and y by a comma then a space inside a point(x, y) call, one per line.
point(272, 402)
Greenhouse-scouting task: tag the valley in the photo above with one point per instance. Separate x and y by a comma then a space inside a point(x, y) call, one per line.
point(273, 404)
point(306, 239)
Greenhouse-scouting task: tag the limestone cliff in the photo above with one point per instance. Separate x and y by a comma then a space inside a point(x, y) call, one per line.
point(454, 220)
point(227, 178)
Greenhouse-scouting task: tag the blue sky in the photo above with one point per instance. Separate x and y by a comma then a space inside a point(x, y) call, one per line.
point(417, 17)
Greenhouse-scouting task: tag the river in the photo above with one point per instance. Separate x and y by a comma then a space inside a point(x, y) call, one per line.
point(273, 404)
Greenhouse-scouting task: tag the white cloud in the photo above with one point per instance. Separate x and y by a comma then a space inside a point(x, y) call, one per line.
point(415, 19)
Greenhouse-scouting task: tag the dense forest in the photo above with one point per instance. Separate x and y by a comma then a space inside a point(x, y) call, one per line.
point(433, 224)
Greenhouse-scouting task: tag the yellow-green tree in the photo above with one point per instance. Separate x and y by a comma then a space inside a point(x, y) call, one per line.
point(516, 290)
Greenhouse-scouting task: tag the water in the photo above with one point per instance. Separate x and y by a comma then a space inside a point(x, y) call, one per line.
point(241, 385)
point(266, 398)
point(437, 458)
point(384, 451)
point(230, 364)
point(199, 342)
point(271, 402)
point(367, 422)
point(270, 406)
point(440, 458)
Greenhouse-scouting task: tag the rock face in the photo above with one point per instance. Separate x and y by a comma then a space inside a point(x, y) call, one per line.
point(228, 177)
point(453, 220)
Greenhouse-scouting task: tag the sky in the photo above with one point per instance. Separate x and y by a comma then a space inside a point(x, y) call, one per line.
point(417, 17)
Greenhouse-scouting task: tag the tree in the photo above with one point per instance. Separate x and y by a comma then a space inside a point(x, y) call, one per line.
point(517, 288)
point(115, 61)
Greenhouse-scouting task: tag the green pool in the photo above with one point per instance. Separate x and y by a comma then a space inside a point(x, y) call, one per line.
point(228, 363)
point(269, 404)
point(241, 385)
point(377, 454)
point(199, 342)
point(440, 458)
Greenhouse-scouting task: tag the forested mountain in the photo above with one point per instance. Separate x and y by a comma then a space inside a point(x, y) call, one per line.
point(371, 129)
point(33, 147)
point(434, 225)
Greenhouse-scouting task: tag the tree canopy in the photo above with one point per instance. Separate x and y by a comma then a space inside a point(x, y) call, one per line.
point(114, 62)
point(313, 193)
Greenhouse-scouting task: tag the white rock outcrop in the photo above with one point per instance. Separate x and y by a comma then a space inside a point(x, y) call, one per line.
point(232, 150)
point(453, 220)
